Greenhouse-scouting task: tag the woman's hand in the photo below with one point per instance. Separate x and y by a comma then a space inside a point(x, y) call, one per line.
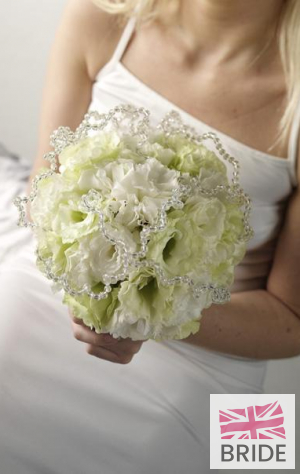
point(105, 346)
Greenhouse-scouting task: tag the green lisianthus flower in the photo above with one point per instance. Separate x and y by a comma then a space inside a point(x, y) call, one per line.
point(95, 314)
point(189, 157)
point(50, 245)
point(182, 247)
point(91, 150)
point(201, 241)
point(147, 308)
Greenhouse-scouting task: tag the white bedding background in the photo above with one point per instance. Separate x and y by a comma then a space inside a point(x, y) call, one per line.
point(27, 30)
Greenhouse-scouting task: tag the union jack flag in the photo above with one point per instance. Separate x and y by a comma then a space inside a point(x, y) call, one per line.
point(254, 422)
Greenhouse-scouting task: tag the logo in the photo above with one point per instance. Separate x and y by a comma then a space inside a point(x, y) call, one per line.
point(263, 422)
point(252, 431)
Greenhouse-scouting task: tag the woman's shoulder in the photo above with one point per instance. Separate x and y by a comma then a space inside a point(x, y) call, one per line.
point(92, 30)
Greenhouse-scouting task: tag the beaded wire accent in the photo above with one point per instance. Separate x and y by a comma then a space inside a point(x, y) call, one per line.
point(136, 120)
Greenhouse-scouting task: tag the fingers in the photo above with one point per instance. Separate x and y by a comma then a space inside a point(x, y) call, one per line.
point(84, 334)
point(104, 346)
point(74, 319)
point(103, 353)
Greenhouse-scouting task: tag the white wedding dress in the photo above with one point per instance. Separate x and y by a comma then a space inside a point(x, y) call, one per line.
point(63, 411)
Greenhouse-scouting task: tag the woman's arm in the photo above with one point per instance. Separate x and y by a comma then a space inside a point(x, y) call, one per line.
point(83, 29)
point(264, 324)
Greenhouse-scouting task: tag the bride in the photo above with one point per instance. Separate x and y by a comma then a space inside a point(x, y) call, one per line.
point(98, 405)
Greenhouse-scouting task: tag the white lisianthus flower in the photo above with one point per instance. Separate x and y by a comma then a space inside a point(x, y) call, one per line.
point(149, 184)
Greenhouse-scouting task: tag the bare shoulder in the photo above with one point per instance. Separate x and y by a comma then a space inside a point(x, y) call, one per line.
point(93, 31)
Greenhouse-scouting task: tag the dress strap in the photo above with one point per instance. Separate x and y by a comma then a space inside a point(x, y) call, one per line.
point(124, 40)
point(293, 147)
point(121, 46)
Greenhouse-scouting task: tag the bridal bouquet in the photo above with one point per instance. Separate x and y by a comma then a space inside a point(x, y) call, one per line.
point(140, 226)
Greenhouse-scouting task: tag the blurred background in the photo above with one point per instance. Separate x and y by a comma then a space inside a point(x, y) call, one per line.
point(26, 34)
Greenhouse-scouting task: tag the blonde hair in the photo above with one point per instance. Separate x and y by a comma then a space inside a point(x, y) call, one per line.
point(288, 37)
point(289, 44)
point(145, 10)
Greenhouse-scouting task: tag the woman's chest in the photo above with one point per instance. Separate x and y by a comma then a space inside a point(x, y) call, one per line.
point(246, 106)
